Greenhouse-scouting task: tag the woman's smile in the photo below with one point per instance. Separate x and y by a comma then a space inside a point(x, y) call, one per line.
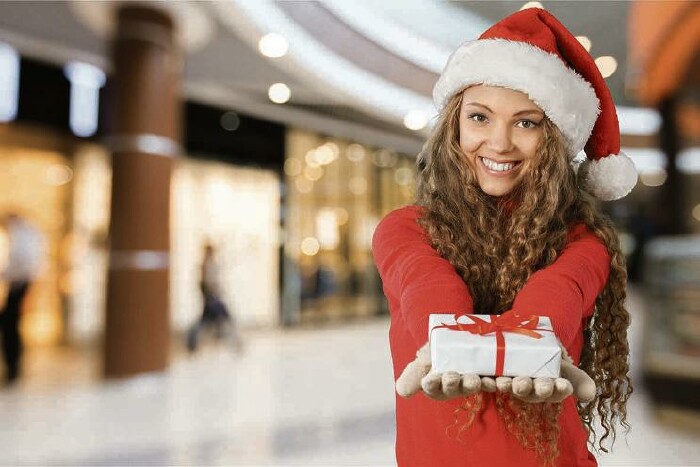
point(499, 169)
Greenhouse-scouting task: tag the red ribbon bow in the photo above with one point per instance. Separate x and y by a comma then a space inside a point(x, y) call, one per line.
point(507, 322)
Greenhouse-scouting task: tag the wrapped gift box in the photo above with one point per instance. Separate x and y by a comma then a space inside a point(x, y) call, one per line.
point(463, 349)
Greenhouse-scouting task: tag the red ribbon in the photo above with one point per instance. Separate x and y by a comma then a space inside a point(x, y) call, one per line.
point(499, 324)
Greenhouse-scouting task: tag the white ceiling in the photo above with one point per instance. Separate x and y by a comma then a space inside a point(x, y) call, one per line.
point(355, 67)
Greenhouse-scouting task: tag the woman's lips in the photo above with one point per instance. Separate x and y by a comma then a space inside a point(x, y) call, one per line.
point(500, 173)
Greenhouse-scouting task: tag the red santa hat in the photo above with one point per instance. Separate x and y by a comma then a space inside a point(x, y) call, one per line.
point(532, 52)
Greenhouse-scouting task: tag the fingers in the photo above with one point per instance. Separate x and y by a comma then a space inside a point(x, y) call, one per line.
point(409, 382)
point(451, 384)
point(563, 386)
point(562, 390)
point(504, 384)
point(544, 387)
point(488, 384)
point(443, 386)
point(522, 386)
point(471, 384)
point(432, 386)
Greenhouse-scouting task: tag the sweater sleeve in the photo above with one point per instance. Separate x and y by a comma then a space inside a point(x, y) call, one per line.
point(414, 275)
point(566, 290)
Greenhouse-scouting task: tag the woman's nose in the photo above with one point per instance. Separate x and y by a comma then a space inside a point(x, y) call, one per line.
point(500, 139)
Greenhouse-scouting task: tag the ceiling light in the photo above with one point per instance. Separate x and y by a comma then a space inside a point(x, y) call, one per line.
point(607, 65)
point(9, 82)
point(325, 154)
point(273, 45)
point(292, 167)
point(688, 160)
point(638, 120)
point(585, 42)
point(415, 120)
point(310, 246)
point(313, 173)
point(383, 158)
point(355, 152)
point(230, 121)
point(279, 93)
point(312, 159)
point(58, 174)
point(696, 212)
point(647, 160)
point(85, 83)
point(532, 5)
point(653, 178)
point(335, 150)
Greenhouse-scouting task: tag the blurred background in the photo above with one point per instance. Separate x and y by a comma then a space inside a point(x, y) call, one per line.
point(188, 192)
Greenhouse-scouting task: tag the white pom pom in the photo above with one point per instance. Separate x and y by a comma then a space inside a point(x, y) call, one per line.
point(609, 178)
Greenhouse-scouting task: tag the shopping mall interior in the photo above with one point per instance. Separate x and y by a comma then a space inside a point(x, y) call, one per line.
point(150, 146)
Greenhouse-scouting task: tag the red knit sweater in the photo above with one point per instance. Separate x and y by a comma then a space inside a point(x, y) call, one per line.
point(418, 282)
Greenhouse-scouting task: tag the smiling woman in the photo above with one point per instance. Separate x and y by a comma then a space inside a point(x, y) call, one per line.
point(503, 226)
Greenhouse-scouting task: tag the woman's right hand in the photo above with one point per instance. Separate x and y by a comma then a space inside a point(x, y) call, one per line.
point(439, 386)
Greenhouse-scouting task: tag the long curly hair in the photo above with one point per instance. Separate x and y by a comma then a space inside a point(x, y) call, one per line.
point(495, 244)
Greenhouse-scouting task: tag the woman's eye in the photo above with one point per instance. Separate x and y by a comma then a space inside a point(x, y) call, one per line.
point(478, 118)
point(527, 124)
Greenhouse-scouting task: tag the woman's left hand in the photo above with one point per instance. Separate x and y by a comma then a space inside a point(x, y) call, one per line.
point(573, 380)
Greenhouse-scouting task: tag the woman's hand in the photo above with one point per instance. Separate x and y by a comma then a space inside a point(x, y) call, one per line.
point(443, 386)
point(573, 380)
point(439, 386)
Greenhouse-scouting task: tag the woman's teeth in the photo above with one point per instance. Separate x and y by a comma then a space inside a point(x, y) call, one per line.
point(496, 166)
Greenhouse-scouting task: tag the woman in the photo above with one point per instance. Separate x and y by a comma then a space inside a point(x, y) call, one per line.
point(502, 225)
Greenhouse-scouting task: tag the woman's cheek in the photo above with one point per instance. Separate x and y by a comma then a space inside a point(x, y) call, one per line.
point(468, 145)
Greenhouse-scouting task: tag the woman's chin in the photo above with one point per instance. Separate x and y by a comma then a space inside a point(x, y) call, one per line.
point(497, 190)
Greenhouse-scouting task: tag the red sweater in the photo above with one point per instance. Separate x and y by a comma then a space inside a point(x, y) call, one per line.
point(418, 282)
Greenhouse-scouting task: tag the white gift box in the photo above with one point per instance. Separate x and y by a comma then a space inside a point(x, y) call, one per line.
point(466, 352)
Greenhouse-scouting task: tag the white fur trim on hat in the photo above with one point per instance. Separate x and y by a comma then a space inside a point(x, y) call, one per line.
point(609, 178)
point(565, 97)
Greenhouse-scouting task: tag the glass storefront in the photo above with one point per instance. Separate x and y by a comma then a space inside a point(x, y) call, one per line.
point(35, 183)
point(236, 210)
point(63, 186)
point(336, 193)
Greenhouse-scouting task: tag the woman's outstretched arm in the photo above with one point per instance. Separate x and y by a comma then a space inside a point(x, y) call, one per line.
point(414, 275)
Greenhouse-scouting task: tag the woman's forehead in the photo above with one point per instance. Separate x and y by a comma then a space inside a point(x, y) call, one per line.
point(503, 98)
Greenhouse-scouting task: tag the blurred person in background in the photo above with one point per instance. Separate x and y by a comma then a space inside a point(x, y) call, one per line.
point(25, 252)
point(644, 226)
point(503, 226)
point(215, 314)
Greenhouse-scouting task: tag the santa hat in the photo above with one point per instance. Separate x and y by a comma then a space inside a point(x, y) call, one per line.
point(532, 52)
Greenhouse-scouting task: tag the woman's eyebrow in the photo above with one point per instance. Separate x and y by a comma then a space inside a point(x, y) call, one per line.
point(529, 112)
point(476, 104)
point(517, 114)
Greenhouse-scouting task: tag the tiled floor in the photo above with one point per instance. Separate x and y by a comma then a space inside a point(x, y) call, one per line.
point(303, 397)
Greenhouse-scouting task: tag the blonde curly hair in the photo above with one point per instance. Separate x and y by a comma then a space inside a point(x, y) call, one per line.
point(495, 244)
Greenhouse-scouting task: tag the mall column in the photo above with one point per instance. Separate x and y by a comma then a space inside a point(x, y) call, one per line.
point(144, 135)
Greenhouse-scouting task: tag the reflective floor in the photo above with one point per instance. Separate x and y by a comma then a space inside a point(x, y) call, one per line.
point(320, 396)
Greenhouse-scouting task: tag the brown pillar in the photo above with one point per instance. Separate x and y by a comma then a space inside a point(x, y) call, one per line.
point(144, 137)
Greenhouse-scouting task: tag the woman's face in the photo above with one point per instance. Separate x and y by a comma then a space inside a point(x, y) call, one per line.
point(499, 131)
